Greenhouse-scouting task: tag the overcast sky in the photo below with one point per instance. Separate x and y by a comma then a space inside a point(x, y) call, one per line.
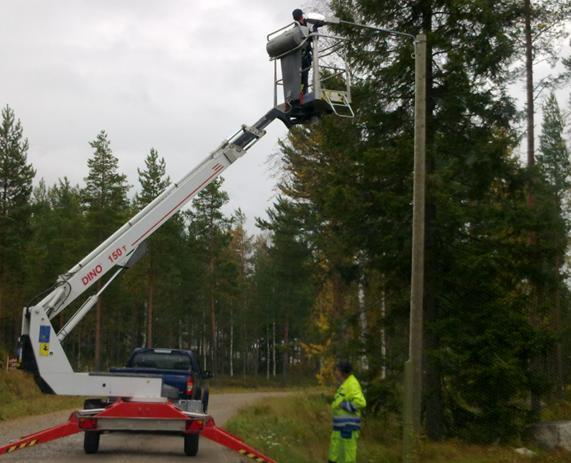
point(177, 75)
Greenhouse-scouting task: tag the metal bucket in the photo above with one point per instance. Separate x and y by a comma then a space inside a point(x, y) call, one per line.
point(286, 42)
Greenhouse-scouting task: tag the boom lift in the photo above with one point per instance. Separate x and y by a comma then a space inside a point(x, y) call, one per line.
point(141, 403)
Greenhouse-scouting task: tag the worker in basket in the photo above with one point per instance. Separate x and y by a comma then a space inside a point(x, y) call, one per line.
point(346, 407)
point(306, 54)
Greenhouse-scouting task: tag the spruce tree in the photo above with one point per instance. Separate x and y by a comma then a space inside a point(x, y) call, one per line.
point(159, 264)
point(555, 166)
point(104, 198)
point(290, 261)
point(356, 182)
point(208, 239)
point(153, 179)
point(16, 176)
point(553, 157)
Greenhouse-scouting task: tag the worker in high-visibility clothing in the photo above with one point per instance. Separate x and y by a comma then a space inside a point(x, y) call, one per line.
point(346, 407)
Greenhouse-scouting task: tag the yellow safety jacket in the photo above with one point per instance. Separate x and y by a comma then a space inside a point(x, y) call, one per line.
point(347, 405)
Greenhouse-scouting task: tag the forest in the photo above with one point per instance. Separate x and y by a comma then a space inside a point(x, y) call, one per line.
point(327, 273)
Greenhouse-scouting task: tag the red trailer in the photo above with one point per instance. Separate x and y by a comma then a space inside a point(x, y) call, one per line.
point(135, 416)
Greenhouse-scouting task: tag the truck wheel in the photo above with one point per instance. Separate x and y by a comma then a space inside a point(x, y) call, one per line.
point(191, 444)
point(205, 399)
point(91, 441)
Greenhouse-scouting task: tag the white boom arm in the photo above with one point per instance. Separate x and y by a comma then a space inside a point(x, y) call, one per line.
point(41, 348)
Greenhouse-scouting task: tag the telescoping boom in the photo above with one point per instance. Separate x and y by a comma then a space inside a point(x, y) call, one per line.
point(138, 402)
point(42, 346)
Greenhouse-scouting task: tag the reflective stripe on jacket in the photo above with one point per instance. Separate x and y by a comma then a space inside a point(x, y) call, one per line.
point(347, 405)
point(346, 422)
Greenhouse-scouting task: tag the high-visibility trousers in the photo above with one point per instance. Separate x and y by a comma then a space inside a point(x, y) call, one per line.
point(343, 447)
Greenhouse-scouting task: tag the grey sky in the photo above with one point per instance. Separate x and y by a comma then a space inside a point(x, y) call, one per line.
point(177, 75)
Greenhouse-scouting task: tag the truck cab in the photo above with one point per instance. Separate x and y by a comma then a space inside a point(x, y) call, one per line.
point(179, 369)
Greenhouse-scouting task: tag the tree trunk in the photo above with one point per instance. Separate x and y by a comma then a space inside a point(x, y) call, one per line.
point(530, 111)
point(274, 355)
point(286, 349)
point(432, 380)
point(383, 336)
point(98, 310)
point(203, 336)
point(78, 349)
point(244, 350)
point(213, 327)
point(536, 364)
point(363, 324)
point(150, 296)
point(559, 382)
point(231, 343)
point(268, 352)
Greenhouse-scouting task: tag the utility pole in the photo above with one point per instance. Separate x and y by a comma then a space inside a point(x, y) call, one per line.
point(413, 367)
point(412, 428)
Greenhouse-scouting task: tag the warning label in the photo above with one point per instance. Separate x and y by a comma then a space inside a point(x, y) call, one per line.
point(44, 348)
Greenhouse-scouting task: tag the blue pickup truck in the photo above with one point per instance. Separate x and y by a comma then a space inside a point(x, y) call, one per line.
point(182, 383)
point(179, 369)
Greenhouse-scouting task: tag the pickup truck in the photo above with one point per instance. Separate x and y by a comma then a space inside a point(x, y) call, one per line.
point(182, 383)
point(179, 369)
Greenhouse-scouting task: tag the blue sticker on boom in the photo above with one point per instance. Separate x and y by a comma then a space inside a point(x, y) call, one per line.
point(45, 333)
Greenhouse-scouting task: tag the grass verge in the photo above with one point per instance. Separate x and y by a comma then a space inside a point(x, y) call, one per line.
point(239, 383)
point(558, 408)
point(20, 396)
point(296, 430)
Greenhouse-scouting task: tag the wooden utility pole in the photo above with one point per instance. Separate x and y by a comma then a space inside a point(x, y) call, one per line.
point(530, 110)
point(413, 367)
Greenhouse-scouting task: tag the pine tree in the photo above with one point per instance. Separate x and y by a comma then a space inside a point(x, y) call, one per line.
point(355, 182)
point(104, 198)
point(208, 239)
point(239, 287)
point(292, 284)
point(553, 157)
point(543, 24)
point(554, 164)
point(153, 179)
point(159, 264)
point(16, 176)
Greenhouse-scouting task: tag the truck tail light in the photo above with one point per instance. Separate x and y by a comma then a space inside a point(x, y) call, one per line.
point(87, 423)
point(189, 385)
point(194, 426)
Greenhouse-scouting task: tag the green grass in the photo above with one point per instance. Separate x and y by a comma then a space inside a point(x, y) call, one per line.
point(222, 384)
point(296, 430)
point(20, 396)
point(558, 409)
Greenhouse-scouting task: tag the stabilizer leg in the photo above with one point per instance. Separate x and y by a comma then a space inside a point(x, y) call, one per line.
point(222, 437)
point(57, 432)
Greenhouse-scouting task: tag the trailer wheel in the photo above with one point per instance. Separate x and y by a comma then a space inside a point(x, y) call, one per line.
point(191, 444)
point(91, 438)
point(91, 441)
point(205, 399)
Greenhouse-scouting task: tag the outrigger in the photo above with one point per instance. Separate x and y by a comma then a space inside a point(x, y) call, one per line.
point(139, 403)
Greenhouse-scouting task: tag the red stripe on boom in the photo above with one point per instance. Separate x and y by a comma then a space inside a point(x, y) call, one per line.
point(217, 168)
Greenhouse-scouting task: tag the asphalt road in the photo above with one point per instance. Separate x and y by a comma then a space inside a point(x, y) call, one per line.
point(121, 448)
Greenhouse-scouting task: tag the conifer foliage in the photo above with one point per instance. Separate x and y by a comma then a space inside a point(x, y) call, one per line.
point(326, 272)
